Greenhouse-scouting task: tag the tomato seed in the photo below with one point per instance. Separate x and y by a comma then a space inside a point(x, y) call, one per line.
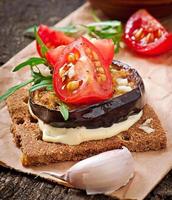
point(73, 85)
point(138, 33)
point(95, 56)
point(149, 38)
point(88, 51)
point(101, 77)
point(114, 71)
point(159, 33)
point(61, 71)
point(64, 78)
point(71, 58)
point(97, 63)
point(76, 56)
point(135, 31)
point(100, 69)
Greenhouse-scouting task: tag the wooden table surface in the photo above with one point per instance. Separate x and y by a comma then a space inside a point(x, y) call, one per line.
point(15, 17)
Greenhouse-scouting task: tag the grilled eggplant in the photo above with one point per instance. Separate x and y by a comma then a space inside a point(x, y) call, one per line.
point(127, 100)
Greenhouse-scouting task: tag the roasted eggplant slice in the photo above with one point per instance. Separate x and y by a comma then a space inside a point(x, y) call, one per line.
point(128, 99)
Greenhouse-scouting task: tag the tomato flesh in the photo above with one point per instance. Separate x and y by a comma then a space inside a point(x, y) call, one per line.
point(52, 55)
point(145, 35)
point(81, 75)
point(106, 48)
point(52, 38)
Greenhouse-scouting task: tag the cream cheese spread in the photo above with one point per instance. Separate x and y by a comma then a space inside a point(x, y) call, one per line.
point(75, 136)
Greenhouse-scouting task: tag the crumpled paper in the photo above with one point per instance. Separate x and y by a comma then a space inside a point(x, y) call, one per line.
point(152, 166)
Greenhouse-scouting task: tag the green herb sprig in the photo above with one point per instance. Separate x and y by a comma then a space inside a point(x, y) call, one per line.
point(38, 80)
point(98, 29)
point(44, 48)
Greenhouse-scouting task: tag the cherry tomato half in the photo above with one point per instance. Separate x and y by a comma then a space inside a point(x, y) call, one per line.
point(52, 38)
point(81, 75)
point(145, 35)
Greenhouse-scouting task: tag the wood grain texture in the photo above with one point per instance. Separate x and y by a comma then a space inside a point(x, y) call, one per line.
point(15, 17)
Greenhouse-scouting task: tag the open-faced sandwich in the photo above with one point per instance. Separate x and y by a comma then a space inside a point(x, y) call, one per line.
point(83, 104)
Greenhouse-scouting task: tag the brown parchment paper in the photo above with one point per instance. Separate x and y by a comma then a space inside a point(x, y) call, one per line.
point(150, 167)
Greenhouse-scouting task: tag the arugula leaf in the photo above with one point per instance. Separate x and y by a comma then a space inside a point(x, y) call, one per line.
point(31, 62)
point(71, 29)
point(49, 87)
point(14, 88)
point(31, 29)
point(106, 29)
point(64, 110)
point(44, 48)
point(43, 83)
point(113, 23)
point(37, 77)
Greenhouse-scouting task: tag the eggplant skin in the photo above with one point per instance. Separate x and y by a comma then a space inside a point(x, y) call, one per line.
point(98, 115)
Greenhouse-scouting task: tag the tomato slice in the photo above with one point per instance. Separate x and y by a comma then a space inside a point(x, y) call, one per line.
point(52, 38)
point(145, 35)
point(53, 54)
point(81, 75)
point(106, 48)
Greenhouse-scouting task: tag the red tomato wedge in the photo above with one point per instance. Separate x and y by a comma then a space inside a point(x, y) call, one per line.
point(52, 38)
point(145, 35)
point(106, 48)
point(53, 54)
point(81, 75)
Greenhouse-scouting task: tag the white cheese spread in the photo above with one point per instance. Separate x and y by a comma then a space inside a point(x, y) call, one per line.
point(75, 136)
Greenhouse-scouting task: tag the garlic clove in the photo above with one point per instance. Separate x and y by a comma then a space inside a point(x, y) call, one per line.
point(102, 173)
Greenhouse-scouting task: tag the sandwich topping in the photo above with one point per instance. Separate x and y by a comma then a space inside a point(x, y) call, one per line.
point(87, 95)
point(96, 121)
point(75, 136)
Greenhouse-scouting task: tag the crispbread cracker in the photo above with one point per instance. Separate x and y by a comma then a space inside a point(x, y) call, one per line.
point(27, 136)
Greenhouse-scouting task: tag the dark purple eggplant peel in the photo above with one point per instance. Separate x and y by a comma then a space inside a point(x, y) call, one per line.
point(98, 115)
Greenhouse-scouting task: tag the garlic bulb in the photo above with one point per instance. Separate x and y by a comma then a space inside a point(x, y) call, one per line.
point(103, 173)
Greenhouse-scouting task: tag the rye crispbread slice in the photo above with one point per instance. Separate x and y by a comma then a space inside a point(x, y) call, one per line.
point(35, 151)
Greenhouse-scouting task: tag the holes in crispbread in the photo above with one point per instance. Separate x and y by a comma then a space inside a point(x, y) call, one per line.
point(20, 121)
point(125, 136)
point(33, 120)
point(25, 100)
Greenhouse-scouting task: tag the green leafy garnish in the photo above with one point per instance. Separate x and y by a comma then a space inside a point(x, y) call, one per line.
point(71, 29)
point(45, 82)
point(31, 29)
point(30, 62)
point(38, 79)
point(106, 29)
point(14, 89)
point(44, 48)
point(64, 110)
point(98, 29)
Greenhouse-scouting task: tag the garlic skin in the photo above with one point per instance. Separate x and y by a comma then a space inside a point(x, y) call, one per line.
point(103, 173)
